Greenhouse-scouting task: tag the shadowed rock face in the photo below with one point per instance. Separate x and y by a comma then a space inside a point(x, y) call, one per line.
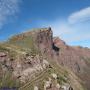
point(55, 48)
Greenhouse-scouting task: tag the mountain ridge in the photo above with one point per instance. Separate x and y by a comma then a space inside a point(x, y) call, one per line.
point(35, 51)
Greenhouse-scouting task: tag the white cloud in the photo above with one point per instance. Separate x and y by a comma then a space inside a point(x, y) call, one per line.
point(8, 8)
point(77, 37)
point(60, 28)
point(80, 16)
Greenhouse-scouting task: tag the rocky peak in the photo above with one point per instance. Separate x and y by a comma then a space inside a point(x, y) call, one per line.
point(44, 39)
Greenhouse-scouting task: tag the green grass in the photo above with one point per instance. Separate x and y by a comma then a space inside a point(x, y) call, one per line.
point(6, 80)
point(26, 44)
point(3, 49)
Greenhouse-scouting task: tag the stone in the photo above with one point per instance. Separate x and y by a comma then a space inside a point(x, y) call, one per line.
point(54, 75)
point(36, 88)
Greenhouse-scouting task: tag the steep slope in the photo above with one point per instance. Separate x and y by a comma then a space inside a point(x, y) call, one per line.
point(37, 60)
point(77, 59)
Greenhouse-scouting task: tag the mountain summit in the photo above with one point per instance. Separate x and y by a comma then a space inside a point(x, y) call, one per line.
point(35, 60)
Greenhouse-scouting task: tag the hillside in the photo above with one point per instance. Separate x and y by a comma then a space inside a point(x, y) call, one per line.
point(35, 60)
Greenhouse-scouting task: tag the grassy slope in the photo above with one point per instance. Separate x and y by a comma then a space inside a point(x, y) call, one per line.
point(6, 79)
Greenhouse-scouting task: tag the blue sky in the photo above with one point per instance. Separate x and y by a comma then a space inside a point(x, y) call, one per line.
point(69, 19)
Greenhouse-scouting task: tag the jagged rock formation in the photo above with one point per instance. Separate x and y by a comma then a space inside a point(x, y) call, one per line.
point(34, 56)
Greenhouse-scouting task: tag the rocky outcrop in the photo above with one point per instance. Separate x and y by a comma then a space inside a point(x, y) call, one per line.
point(24, 67)
point(28, 66)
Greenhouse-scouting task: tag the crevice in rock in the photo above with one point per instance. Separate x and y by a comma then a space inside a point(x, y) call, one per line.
point(56, 49)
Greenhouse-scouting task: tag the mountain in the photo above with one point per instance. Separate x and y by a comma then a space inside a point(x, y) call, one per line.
point(35, 60)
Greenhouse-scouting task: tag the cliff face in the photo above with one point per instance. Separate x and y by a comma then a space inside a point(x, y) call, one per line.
point(77, 59)
point(30, 53)
point(44, 41)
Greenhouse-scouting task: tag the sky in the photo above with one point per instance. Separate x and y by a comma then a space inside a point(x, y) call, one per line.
point(69, 19)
